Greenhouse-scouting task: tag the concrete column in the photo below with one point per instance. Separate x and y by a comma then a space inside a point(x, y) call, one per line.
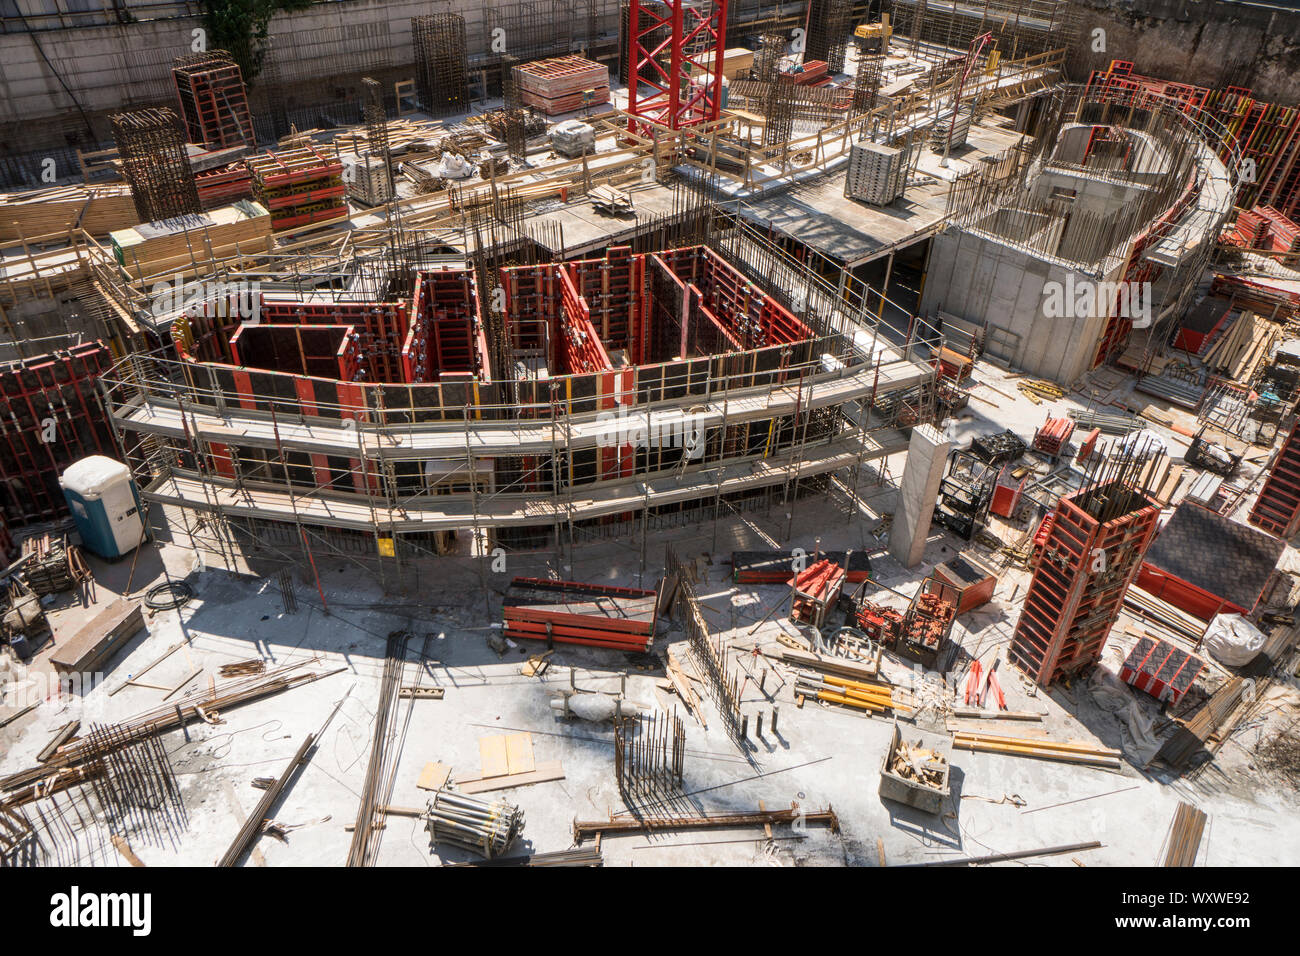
point(927, 457)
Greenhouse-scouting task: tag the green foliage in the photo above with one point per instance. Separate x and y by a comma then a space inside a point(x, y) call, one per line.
point(240, 26)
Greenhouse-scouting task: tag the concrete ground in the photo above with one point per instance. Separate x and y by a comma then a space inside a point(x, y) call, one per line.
point(820, 755)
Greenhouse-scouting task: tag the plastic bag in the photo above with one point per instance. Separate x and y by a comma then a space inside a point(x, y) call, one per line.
point(1233, 640)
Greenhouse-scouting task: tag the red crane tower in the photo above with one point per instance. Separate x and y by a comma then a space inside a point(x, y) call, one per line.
point(675, 49)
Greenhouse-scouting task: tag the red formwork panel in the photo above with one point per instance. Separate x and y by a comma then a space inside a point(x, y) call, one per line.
point(1277, 509)
point(214, 102)
point(51, 415)
point(1074, 597)
point(576, 613)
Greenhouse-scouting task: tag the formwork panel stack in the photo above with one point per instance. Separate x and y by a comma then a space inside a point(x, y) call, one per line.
point(155, 164)
point(1091, 549)
point(50, 416)
point(298, 186)
point(1277, 509)
point(562, 84)
point(214, 101)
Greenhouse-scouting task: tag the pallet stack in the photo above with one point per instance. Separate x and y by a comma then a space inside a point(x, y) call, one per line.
point(570, 612)
point(877, 174)
point(562, 84)
point(298, 186)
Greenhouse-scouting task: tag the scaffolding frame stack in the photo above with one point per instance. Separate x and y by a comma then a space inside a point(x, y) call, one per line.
point(51, 415)
point(1091, 549)
point(155, 164)
point(440, 62)
point(1277, 509)
point(214, 101)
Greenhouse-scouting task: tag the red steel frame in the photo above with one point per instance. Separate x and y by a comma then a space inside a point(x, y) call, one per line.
point(1277, 509)
point(689, 90)
point(52, 397)
point(1069, 608)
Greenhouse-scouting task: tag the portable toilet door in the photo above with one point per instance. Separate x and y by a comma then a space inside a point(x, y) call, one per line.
point(105, 506)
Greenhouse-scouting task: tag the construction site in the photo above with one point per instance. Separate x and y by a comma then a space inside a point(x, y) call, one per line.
point(646, 433)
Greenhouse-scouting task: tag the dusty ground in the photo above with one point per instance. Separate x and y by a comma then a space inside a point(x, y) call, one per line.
point(821, 755)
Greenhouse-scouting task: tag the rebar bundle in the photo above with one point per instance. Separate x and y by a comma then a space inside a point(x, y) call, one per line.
point(767, 60)
point(440, 69)
point(724, 687)
point(485, 827)
point(156, 166)
point(828, 31)
point(377, 132)
point(649, 753)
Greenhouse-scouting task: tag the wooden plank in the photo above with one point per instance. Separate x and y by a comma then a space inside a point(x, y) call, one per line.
point(492, 755)
point(434, 776)
point(519, 753)
point(545, 771)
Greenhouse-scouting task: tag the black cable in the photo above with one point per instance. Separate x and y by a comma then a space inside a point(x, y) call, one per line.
point(58, 76)
point(178, 594)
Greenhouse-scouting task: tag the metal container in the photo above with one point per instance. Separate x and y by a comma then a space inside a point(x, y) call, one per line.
point(912, 792)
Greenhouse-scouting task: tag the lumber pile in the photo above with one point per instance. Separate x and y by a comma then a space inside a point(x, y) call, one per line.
point(562, 84)
point(1185, 835)
point(51, 567)
point(1037, 747)
point(174, 245)
point(48, 212)
point(1147, 606)
point(571, 612)
point(406, 136)
point(1241, 347)
point(1037, 389)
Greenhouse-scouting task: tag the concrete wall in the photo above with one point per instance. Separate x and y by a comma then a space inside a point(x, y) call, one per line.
point(104, 68)
point(997, 286)
point(1204, 42)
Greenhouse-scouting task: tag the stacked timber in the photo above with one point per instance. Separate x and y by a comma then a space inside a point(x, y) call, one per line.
point(173, 245)
point(98, 210)
point(562, 84)
point(1244, 344)
point(49, 568)
point(572, 612)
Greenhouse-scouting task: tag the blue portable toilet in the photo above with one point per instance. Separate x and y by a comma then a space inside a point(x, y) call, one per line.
point(105, 505)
